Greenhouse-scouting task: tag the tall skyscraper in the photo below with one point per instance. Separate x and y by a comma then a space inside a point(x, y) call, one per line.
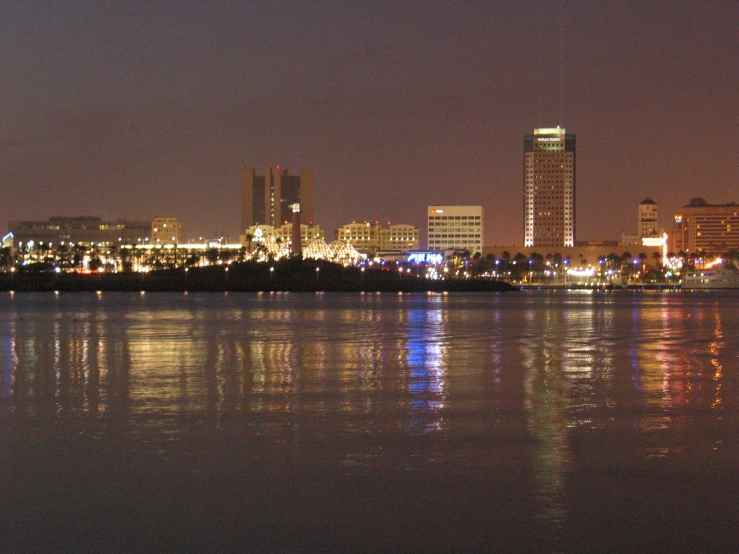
point(549, 188)
point(266, 199)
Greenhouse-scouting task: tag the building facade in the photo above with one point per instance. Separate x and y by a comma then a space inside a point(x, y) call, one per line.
point(374, 238)
point(648, 219)
point(85, 230)
point(308, 233)
point(647, 224)
point(363, 236)
point(704, 227)
point(399, 238)
point(549, 188)
point(267, 199)
point(455, 228)
point(167, 230)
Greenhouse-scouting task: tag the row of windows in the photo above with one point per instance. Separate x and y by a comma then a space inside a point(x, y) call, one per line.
point(470, 225)
point(455, 236)
point(460, 244)
point(454, 217)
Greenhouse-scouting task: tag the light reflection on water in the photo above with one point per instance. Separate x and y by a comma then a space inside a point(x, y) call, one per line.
point(539, 386)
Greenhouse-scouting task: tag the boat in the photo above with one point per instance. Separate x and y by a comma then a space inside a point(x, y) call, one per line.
point(714, 278)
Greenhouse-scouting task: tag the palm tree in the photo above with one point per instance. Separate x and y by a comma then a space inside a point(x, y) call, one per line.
point(657, 259)
point(520, 265)
point(95, 263)
point(732, 257)
point(683, 255)
point(79, 252)
point(211, 255)
point(506, 259)
point(6, 257)
point(614, 260)
point(125, 264)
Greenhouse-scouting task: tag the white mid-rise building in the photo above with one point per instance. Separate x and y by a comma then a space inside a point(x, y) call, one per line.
point(455, 228)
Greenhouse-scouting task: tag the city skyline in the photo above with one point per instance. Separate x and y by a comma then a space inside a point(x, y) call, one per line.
point(127, 111)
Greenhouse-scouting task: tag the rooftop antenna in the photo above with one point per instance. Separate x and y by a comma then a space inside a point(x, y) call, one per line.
point(538, 79)
point(561, 63)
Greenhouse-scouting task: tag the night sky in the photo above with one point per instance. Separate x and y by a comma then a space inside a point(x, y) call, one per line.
point(137, 109)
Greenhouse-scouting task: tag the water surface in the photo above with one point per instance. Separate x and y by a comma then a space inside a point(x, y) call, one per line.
point(369, 422)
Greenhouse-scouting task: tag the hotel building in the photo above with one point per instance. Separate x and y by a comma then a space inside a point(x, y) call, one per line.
point(254, 234)
point(267, 199)
point(373, 238)
point(455, 228)
point(710, 228)
point(549, 188)
point(399, 238)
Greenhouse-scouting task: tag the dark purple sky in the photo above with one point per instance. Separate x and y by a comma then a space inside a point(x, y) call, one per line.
point(136, 109)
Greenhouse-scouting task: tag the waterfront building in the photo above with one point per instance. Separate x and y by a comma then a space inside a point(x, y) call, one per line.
point(267, 199)
point(167, 230)
point(399, 238)
point(549, 188)
point(709, 228)
point(363, 236)
point(455, 228)
point(308, 233)
point(647, 224)
point(648, 221)
point(254, 234)
point(86, 230)
point(376, 239)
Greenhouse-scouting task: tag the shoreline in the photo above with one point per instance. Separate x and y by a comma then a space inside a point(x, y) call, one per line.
point(248, 277)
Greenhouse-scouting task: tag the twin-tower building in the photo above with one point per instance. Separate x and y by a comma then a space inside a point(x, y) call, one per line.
point(268, 199)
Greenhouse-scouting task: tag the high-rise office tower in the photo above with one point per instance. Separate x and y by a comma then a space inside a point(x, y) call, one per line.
point(267, 199)
point(549, 188)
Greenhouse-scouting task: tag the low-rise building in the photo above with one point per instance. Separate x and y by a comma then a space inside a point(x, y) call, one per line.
point(87, 230)
point(363, 236)
point(308, 233)
point(167, 230)
point(374, 238)
point(399, 238)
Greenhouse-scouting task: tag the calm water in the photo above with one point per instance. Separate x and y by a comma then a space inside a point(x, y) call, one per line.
point(552, 422)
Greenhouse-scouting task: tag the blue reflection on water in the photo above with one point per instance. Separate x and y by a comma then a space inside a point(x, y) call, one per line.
point(425, 357)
